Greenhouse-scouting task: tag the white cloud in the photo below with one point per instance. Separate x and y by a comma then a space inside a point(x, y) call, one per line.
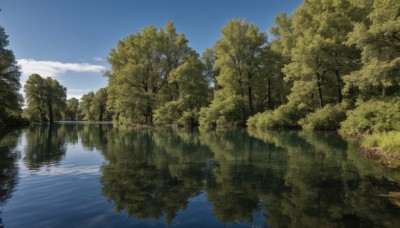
point(77, 93)
point(98, 59)
point(54, 69)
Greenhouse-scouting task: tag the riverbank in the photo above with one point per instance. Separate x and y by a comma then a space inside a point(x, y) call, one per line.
point(384, 147)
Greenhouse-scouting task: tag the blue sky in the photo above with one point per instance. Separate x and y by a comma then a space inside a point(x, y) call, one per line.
point(70, 39)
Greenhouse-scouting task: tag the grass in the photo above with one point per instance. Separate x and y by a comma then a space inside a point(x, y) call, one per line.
point(386, 146)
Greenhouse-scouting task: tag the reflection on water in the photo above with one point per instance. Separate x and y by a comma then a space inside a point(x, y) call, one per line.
point(8, 167)
point(274, 178)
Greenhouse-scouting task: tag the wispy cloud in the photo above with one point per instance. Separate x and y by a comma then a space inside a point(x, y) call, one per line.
point(54, 68)
point(77, 93)
point(98, 59)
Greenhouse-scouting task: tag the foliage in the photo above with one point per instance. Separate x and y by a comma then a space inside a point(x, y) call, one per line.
point(386, 146)
point(326, 118)
point(238, 55)
point(46, 98)
point(286, 116)
point(86, 106)
point(10, 99)
point(224, 111)
point(372, 116)
point(192, 94)
point(150, 69)
point(72, 110)
point(378, 38)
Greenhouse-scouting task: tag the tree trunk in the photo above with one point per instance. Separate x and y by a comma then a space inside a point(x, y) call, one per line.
point(101, 114)
point(339, 87)
point(321, 102)
point(50, 108)
point(149, 117)
point(269, 93)
point(249, 76)
point(251, 101)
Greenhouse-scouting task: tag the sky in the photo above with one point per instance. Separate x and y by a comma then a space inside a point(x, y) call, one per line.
point(69, 40)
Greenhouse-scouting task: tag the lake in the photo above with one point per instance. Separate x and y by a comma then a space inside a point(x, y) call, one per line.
point(94, 175)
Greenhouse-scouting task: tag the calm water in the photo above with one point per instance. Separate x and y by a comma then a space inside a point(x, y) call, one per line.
point(80, 175)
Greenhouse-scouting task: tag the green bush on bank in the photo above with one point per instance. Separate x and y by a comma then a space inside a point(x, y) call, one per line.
point(226, 112)
point(386, 145)
point(285, 116)
point(372, 116)
point(327, 118)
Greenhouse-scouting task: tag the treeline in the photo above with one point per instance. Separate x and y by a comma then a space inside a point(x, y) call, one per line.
point(47, 102)
point(329, 65)
point(326, 63)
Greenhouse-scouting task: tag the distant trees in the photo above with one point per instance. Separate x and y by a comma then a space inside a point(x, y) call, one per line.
point(46, 98)
point(93, 106)
point(10, 99)
point(72, 111)
point(86, 106)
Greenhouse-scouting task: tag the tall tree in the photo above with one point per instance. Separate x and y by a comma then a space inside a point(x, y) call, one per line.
point(320, 56)
point(190, 88)
point(72, 110)
point(86, 106)
point(10, 99)
point(140, 68)
point(378, 37)
point(46, 98)
point(99, 104)
point(238, 56)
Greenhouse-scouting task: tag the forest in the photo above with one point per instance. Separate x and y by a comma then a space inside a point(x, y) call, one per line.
point(330, 65)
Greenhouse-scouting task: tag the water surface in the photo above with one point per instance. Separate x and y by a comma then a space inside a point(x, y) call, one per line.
point(94, 175)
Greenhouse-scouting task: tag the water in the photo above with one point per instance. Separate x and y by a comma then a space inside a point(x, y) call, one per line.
point(94, 175)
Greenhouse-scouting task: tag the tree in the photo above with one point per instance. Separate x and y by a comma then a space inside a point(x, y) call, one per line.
point(72, 110)
point(238, 56)
point(86, 106)
point(378, 38)
point(10, 99)
point(140, 69)
point(320, 56)
point(46, 98)
point(191, 89)
point(99, 105)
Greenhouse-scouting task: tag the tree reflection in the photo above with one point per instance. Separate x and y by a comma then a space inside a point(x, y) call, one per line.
point(296, 178)
point(8, 166)
point(328, 184)
point(46, 144)
point(147, 171)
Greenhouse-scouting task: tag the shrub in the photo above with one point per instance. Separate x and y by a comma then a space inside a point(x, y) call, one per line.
point(285, 116)
point(224, 112)
point(386, 146)
point(326, 118)
point(372, 117)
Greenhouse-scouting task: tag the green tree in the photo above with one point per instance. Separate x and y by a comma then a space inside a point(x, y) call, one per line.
point(10, 99)
point(99, 105)
point(238, 56)
point(72, 110)
point(378, 38)
point(191, 90)
point(320, 56)
point(46, 98)
point(86, 106)
point(141, 66)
